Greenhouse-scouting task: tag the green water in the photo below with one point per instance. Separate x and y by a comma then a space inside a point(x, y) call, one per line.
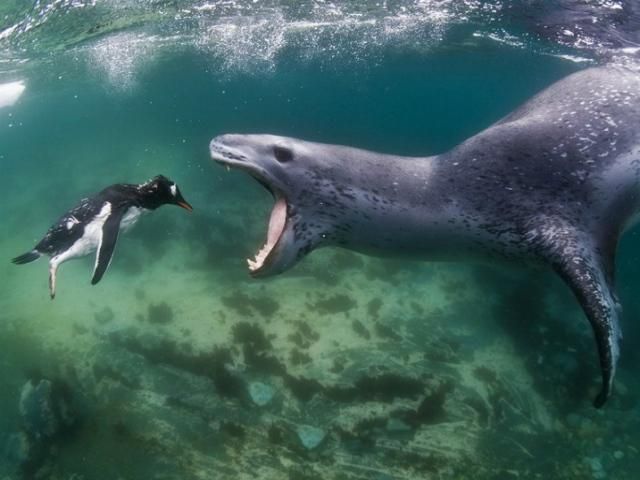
point(373, 368)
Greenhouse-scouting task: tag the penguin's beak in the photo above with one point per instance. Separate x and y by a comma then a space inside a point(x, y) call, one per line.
point(181, 202)
point(186, 206)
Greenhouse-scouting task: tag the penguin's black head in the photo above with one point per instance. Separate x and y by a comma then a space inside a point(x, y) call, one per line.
point(159, 191)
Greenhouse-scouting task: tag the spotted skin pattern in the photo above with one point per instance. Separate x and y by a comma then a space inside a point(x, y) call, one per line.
point(556, 182)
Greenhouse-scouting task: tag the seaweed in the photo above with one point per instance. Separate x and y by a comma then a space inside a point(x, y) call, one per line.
point(304, 336)
point(385, 331)
point(297, 339)
point(265, 306)
point(384, 388)
point(297, 357)
point(245, 305)
point(233, 429)
point(373, 307)
point(439, 351)
point(160, 314)
point(251, 334)
point(338, 366)
point(255, 347)
point(431, 409)
point(206, 364)
point(360, 329)
point(304, 389)
point(339, 303)
point(239, 302)
point(307, 331)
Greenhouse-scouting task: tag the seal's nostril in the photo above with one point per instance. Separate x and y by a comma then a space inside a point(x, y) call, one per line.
point(282, 154)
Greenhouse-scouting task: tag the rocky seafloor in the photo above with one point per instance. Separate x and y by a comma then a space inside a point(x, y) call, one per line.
point(345, 368)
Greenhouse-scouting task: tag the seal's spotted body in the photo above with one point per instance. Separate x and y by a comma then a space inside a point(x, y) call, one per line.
point(555, 182)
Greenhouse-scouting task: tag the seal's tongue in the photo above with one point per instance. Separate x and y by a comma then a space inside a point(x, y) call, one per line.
point(277, 223)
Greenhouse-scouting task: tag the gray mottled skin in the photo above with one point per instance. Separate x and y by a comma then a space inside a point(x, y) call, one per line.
point(555, 182)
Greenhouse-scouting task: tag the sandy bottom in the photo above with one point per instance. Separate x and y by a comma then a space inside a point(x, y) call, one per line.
point(181, 366)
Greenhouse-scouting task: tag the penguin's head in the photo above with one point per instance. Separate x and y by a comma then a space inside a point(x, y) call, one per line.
point(161, 190)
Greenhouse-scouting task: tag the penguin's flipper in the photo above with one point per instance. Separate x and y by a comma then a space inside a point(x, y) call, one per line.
point(28, 257)
point(110, 231)
point(587, 269)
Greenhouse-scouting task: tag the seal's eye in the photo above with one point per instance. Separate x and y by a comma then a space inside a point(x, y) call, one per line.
point(282, 154)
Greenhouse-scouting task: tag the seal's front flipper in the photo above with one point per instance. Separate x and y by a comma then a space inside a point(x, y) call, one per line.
point(107, 245)
point(585, 273)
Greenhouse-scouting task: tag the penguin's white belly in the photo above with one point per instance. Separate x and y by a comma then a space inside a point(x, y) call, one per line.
point(90, 239)
point(131, 217)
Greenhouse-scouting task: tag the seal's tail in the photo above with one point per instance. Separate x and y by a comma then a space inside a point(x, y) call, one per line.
point(26, 257)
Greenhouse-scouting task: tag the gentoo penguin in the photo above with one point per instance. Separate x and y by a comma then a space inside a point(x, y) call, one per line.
point(94, 224)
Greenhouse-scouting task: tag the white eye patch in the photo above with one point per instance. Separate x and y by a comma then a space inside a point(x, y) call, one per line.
point(173, 189)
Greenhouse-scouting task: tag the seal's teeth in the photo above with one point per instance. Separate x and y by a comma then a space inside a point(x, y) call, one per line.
point(258, 259)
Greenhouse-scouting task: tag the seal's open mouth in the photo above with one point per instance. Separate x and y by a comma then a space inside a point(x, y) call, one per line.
point(277, 223)
point(278, 218)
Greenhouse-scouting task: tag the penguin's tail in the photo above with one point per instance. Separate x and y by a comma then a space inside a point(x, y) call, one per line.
point(26, 257)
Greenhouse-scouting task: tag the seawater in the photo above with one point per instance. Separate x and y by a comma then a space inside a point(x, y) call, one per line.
point(178, 364)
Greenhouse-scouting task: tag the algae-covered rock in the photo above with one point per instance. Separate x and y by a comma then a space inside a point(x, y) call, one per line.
point(17, 448)
point(45, 408)
point(311, 437)
point(260, 393)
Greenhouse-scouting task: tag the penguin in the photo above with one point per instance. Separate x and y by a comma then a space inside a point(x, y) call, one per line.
point(95, 223)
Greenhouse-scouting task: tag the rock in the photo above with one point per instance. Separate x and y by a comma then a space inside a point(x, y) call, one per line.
point(618, 455)
point(36, 409)
point(17, 448)
point(104, 316)
point(597, 470)
point(310, 437)
point(260, 393)
point(45, 408)
point(21, 456)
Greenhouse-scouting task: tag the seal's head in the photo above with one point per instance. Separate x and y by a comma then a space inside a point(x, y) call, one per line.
point(294, 172)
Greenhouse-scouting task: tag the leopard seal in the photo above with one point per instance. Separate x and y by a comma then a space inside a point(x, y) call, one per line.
point(556, 182)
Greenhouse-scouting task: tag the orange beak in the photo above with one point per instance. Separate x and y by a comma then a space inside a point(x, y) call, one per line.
point(186, 206)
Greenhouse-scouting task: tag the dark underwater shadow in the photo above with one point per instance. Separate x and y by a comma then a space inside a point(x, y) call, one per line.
point(538, 313)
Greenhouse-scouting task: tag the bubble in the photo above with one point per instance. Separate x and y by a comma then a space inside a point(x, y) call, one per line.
point(121, 57)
